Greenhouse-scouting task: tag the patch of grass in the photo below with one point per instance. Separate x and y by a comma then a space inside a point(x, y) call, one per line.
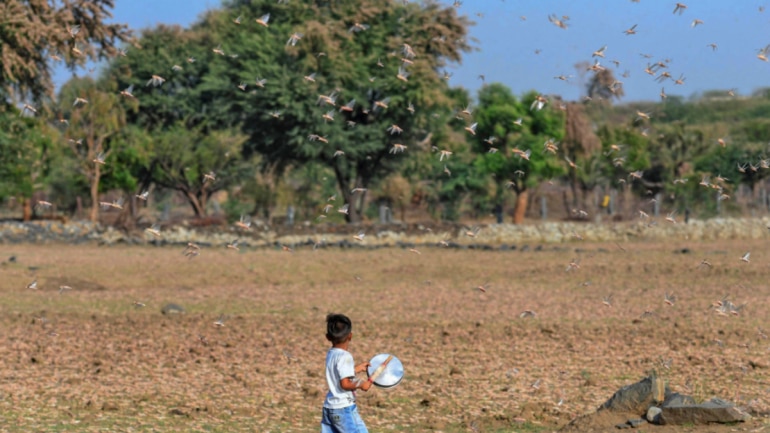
point(585, 374)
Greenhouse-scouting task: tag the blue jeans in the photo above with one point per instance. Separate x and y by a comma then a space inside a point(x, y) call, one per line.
point(345, 420)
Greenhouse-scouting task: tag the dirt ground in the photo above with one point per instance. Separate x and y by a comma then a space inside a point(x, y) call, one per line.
point(91, 359)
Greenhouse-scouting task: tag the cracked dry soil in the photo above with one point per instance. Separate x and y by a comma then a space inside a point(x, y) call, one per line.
point(89, 360)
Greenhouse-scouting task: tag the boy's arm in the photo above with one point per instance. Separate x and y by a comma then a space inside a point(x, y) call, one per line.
point(348, 371)
point(350, 384)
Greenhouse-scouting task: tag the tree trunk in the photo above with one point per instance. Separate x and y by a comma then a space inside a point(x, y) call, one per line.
point(565, 200)
point(574, 188)
point(585, 202)
point(203, 199)
point(354, 215)
point(520, 208)
point(357, 211)
point(94, 216)
point(199, 210)
point(127, 218)
point(263, 203)
point(26, 208)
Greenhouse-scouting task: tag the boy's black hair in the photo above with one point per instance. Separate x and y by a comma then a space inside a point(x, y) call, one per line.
point(338, 327)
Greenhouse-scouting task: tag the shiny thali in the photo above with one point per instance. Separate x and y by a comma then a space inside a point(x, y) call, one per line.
point(392, 374)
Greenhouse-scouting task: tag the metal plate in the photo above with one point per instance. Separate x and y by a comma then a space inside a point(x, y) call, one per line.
point(393, 373)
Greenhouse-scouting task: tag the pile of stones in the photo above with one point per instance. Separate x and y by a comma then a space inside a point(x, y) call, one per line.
point(654, 402)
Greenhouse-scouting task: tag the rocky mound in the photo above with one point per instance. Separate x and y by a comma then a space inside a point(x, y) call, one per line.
point(650, 402)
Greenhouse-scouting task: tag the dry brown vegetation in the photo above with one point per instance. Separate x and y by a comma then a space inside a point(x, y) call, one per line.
point(89, 360)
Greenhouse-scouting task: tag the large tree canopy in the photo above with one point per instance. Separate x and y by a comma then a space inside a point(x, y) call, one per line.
point(36, 34)
point(344, 83)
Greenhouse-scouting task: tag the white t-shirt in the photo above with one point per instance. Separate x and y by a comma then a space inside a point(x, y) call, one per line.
point(339, 365)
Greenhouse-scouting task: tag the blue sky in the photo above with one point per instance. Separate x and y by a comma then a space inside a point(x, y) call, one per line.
point(508, 42)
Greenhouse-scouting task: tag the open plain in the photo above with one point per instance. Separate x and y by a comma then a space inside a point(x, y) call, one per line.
point(491, 341)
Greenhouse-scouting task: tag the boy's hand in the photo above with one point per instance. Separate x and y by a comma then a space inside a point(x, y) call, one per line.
point(365, 385)
point(360, 368)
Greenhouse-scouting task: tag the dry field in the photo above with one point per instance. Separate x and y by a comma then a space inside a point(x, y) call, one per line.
point(89, 360)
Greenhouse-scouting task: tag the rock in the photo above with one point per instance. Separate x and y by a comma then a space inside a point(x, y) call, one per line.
point(172, 309)
point(632, 423)
point(713, 411)
point(675, 399)
point(653, 414)
point(638, 397)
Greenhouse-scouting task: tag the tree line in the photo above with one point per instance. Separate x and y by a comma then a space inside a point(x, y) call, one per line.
point(335, 108)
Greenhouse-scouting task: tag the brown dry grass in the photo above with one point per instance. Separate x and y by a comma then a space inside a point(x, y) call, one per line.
point(96, 363)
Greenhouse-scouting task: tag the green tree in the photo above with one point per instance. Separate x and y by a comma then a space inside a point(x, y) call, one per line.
point(130, 170)
point(197, 164)
point(93, 119)
point(672, 154)
point(739, 162)
point(182, 59)
point(624, 151)
point(457, 181)
point(314, 58)
point(25, 156)
point(516, 156)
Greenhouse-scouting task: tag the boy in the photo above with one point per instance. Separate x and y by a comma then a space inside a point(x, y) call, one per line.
point(340, 414)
